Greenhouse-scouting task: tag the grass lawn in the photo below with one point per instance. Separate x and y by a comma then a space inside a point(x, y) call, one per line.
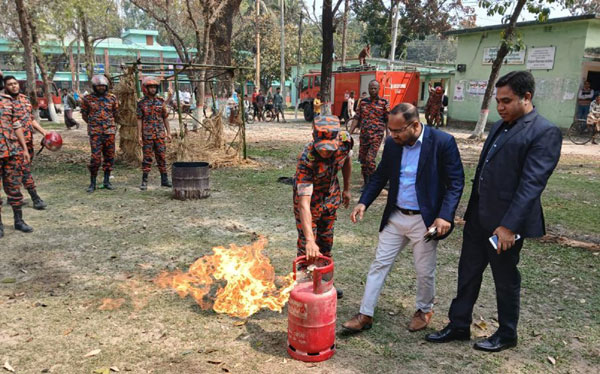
point(113, 244)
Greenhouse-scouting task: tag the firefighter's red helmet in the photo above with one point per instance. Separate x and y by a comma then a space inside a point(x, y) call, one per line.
point(53, 141)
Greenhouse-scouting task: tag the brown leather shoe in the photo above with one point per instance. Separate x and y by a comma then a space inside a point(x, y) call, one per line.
point(359, 322)
point(420, 320)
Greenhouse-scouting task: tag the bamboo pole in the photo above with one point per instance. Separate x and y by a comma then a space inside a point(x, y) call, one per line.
point(181, 130)
point(243, 109)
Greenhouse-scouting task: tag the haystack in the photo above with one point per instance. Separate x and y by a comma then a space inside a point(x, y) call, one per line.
point(130, 150)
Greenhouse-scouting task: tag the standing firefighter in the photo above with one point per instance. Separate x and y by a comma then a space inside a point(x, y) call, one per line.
point(317, 193)
point(25, 116)
point(153, 129)
point(371, 116)
point(12, 147)
point(99, 110)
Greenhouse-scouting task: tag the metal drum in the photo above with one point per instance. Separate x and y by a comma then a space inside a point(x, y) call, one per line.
point(190, 180)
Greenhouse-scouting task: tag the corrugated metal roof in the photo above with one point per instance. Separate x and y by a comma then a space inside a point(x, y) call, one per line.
point(523, 24)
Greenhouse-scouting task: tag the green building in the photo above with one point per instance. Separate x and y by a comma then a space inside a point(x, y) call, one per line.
point(110, 54)
point(561, 53)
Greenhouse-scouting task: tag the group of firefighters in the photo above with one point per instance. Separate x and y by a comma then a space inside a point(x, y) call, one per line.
point(99, 110)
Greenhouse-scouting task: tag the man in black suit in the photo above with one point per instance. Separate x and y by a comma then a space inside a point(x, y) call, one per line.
point(426, 179)
point(517, 159)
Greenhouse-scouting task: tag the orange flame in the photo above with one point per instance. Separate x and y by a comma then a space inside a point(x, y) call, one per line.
point(237, 281)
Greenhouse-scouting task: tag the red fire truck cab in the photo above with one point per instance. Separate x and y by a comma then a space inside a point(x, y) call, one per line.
point(395, 86)
point(41, 98)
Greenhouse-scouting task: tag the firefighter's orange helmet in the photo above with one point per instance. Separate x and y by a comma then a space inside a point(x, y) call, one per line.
point(149, 81)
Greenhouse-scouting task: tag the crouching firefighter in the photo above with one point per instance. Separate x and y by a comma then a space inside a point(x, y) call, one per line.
point(153, 130)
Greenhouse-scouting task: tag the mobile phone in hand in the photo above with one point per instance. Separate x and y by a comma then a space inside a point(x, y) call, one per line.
point(494, 240)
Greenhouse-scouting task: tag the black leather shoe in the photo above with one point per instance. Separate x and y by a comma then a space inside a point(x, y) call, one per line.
point(495, 344)
point(448, 334)
point(339, 292)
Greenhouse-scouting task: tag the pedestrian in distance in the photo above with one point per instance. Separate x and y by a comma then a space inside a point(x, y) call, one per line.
point(426, 177)
point(519, 155)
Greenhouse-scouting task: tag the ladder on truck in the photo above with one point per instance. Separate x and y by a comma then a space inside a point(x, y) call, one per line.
point(401, 86)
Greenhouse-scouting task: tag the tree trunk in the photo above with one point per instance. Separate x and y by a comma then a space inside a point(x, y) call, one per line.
point(299, 67)
point(88, 48)
point(327, 51)
point(396, 12)
point(27, 40)
point(282, 52)
point(221, 33)
point(257, 58)
point(345, 31)
point(202, 75)
point(496, 65)
point(47, 81)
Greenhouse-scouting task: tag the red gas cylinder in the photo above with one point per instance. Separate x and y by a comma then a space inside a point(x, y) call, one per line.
point(312, 312)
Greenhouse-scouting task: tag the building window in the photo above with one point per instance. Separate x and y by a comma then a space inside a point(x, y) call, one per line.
point(149, 40)
point(422, 91)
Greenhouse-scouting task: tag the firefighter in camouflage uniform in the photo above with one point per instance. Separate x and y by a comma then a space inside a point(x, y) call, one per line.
point(99, 110)
point(25, 110)
point(371, 117)
point(13, 149)
point(317, 194)
point(153, 130)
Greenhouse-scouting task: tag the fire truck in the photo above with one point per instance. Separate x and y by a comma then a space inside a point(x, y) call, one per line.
point(395, 86)
point(41, 98)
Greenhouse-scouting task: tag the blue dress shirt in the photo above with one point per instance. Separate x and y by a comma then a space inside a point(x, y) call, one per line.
point(407, 194)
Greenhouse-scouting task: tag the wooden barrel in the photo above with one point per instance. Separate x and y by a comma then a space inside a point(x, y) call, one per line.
point(190, 180)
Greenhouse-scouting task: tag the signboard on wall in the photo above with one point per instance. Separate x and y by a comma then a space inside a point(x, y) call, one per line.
point(541, 58)
point(512, 58)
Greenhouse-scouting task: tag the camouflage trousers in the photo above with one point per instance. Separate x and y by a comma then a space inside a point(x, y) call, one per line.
point(322, 227)
point(102, 146)
point(10, 179)
point(367, 151)
point(28, 182)
point(159, 149)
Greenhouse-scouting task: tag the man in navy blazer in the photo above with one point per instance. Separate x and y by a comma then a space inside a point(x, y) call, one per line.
point(426, 179)
point(516, 161)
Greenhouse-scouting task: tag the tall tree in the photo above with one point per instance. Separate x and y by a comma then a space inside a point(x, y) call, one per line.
point(580, 7)
point(416, 18)
point(328, 27)
point(507, 43)
point(28, 52)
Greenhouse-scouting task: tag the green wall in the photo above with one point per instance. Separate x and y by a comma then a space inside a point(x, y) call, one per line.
point(556, 89)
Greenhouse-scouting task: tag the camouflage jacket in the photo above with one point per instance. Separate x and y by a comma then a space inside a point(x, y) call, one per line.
point(100, 113)
point(317, 177)
point(152, 112)
point(9, 122)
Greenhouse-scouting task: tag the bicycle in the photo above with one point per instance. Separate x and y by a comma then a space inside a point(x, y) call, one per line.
point(580, 132)
point(269, 113)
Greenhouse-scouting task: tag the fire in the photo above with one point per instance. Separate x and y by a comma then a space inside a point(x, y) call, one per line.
point(237, 281)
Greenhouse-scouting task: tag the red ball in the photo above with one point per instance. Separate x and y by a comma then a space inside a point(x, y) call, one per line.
point(53, 141)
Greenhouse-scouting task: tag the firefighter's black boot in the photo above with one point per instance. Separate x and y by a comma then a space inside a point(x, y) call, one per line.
point(92, 186)
point(106, 182)
point(19, 223)
point(144, 185)
point(38, 203)
point(1, 227)
point(164, 180)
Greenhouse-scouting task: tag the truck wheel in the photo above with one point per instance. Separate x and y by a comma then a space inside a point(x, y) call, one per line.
point(308, 113)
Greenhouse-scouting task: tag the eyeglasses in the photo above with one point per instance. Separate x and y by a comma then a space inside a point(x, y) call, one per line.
point(399, 131)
